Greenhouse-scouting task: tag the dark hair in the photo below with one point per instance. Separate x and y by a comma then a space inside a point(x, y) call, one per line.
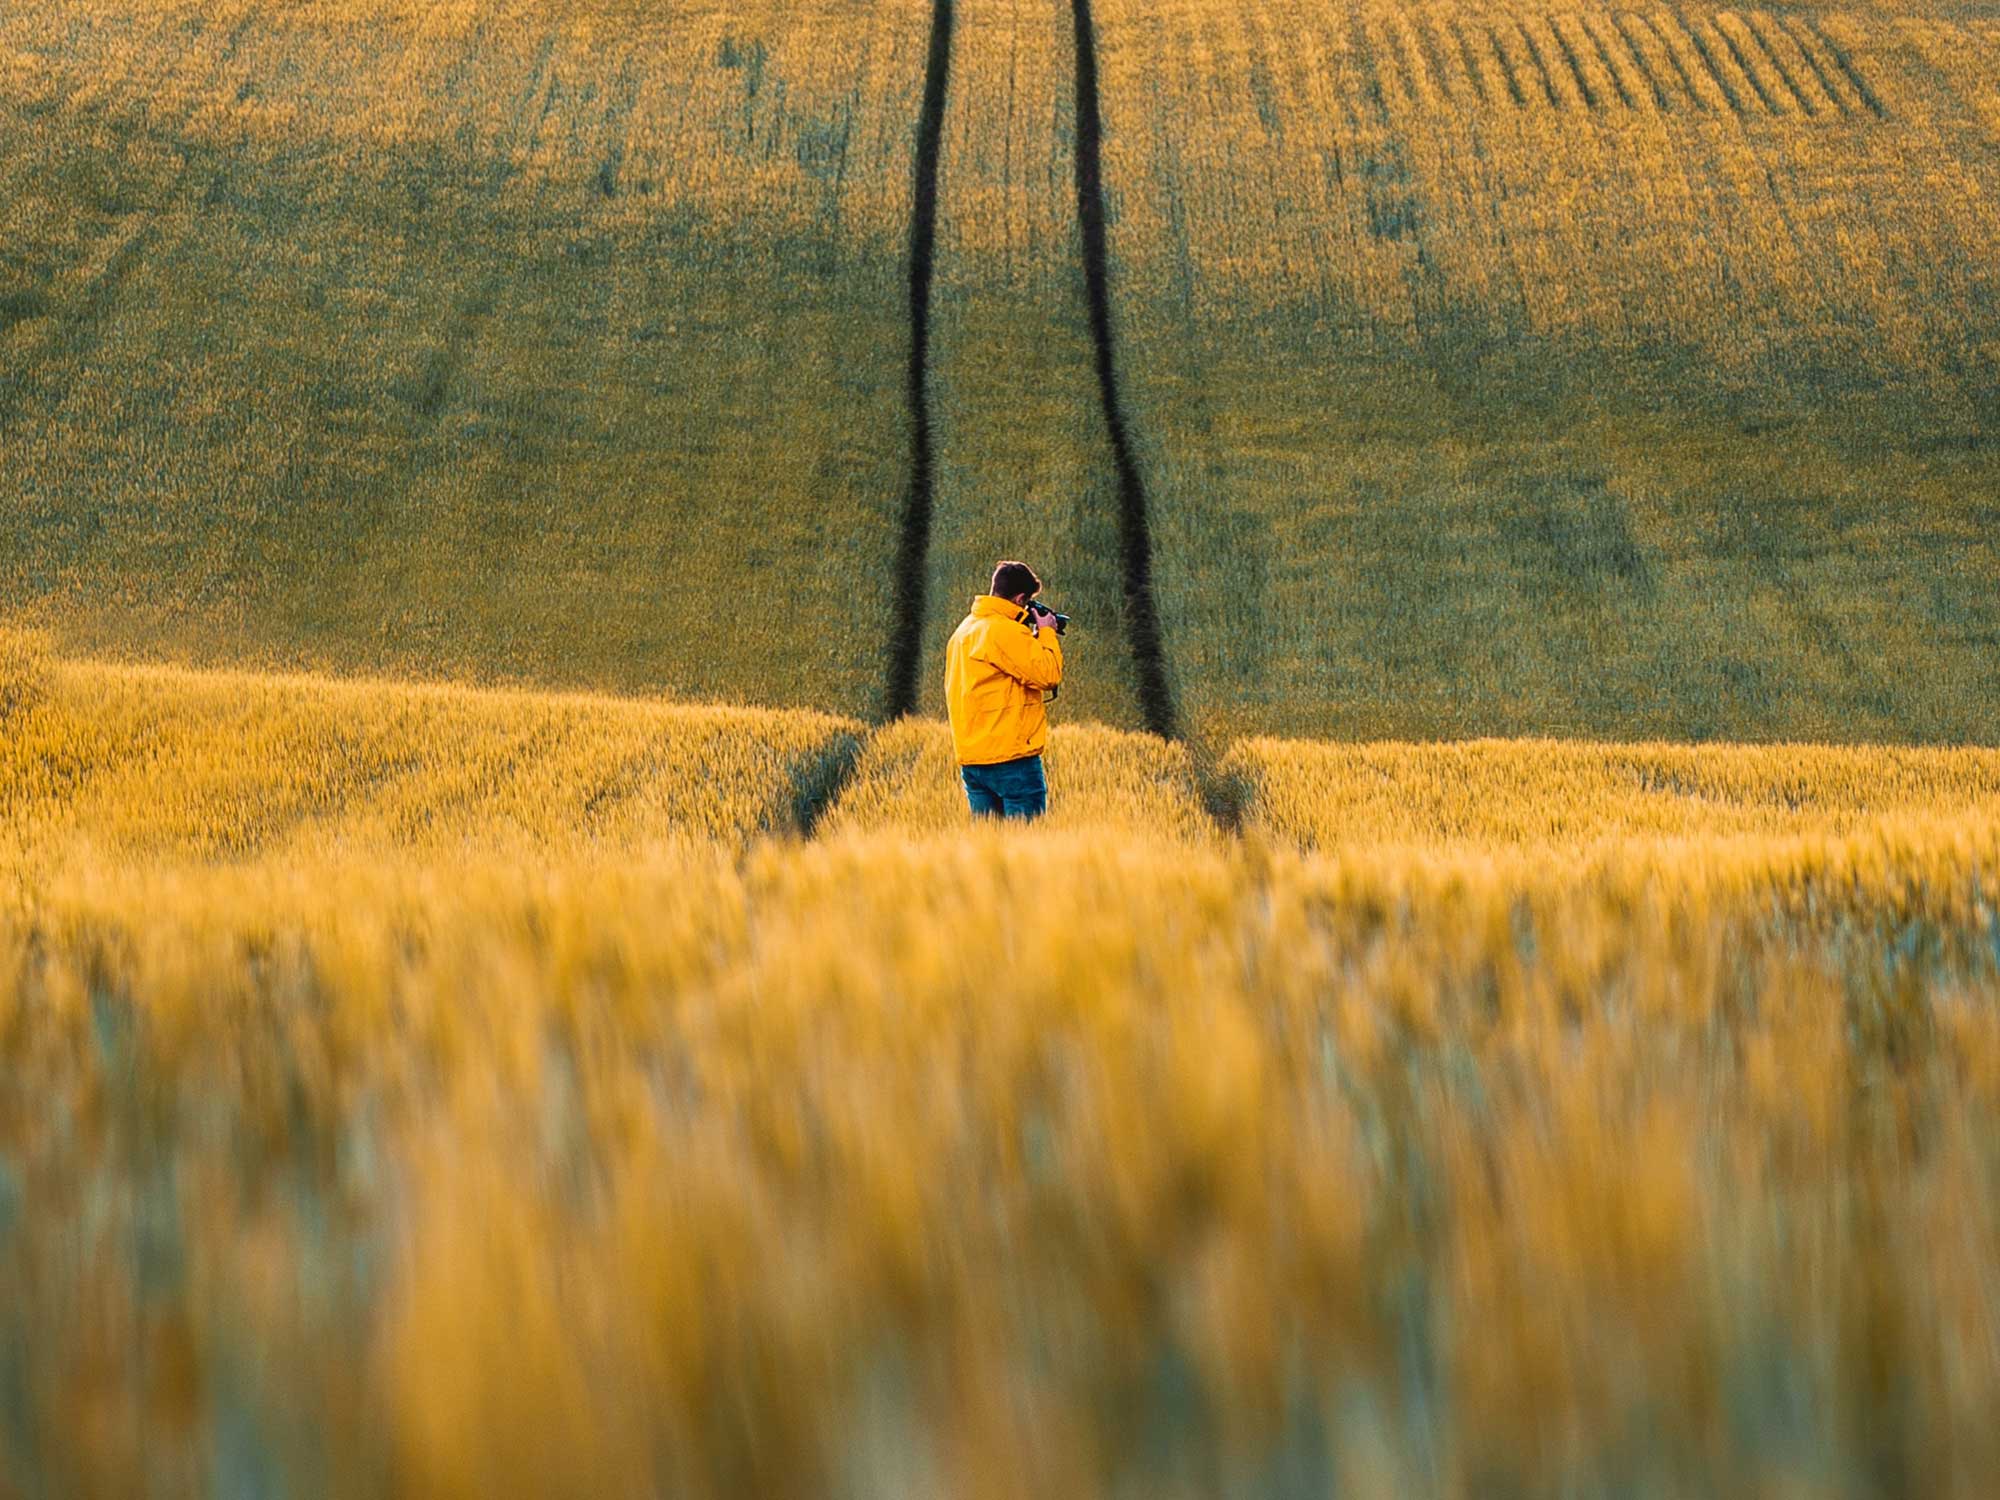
point(1012, 578)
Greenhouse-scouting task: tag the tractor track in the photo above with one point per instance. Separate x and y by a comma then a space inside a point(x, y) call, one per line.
point(1142, 616)
point(906, 641)
point(1153, 685)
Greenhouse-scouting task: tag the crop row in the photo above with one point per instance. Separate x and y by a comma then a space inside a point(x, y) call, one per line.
point(1740, 61)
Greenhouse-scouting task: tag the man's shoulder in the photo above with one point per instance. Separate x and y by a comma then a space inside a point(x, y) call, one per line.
point(971, 631)
point(989, 625)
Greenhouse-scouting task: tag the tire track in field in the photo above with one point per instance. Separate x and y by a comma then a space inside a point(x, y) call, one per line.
point(1142, 615)
point(906, 642)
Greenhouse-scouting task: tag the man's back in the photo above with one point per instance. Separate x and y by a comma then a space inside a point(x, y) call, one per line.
point(997, 672)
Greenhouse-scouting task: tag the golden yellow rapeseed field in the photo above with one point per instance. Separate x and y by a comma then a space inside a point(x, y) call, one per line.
point(421, 1091)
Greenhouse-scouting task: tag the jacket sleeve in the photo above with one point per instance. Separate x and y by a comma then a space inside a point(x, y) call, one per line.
point(1033, 657)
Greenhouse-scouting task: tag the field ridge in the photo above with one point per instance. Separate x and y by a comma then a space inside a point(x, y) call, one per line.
point(230, 764)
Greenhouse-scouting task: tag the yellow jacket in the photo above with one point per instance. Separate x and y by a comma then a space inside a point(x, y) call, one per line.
point(995, 673)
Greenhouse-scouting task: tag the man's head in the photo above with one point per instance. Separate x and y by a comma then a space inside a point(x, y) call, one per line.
point(1015, 581)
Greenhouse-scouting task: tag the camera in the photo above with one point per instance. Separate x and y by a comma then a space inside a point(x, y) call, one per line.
point(1040, 614)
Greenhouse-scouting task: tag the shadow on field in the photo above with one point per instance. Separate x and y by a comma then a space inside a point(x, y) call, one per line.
point(817, 783)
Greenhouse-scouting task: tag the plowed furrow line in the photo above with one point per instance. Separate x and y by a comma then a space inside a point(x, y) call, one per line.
point(1707, 56)
point(1760, 46)
point(1778, 46)
point(1673, 56)
point(1433, 56)
point(1541, 67)
point(1570, 61)
point(1472, 70)
point(1507, 71)
point(1401, 64)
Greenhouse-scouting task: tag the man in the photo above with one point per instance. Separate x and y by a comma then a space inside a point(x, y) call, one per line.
point(1001, 663)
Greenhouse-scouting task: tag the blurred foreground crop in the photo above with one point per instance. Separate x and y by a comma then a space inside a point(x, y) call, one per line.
point(867, 1169)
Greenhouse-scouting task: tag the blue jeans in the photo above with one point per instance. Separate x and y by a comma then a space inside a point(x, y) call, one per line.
point(1012, 789)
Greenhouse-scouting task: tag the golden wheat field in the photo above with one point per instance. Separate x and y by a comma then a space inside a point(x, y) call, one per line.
point(421, 1091)
point(500, 992)
point(1511, 369)
point(1491, 370)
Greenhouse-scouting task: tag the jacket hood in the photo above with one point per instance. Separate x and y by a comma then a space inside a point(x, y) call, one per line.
point(987, 606)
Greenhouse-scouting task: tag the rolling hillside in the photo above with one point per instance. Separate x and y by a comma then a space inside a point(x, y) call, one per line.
point(1481, 369)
